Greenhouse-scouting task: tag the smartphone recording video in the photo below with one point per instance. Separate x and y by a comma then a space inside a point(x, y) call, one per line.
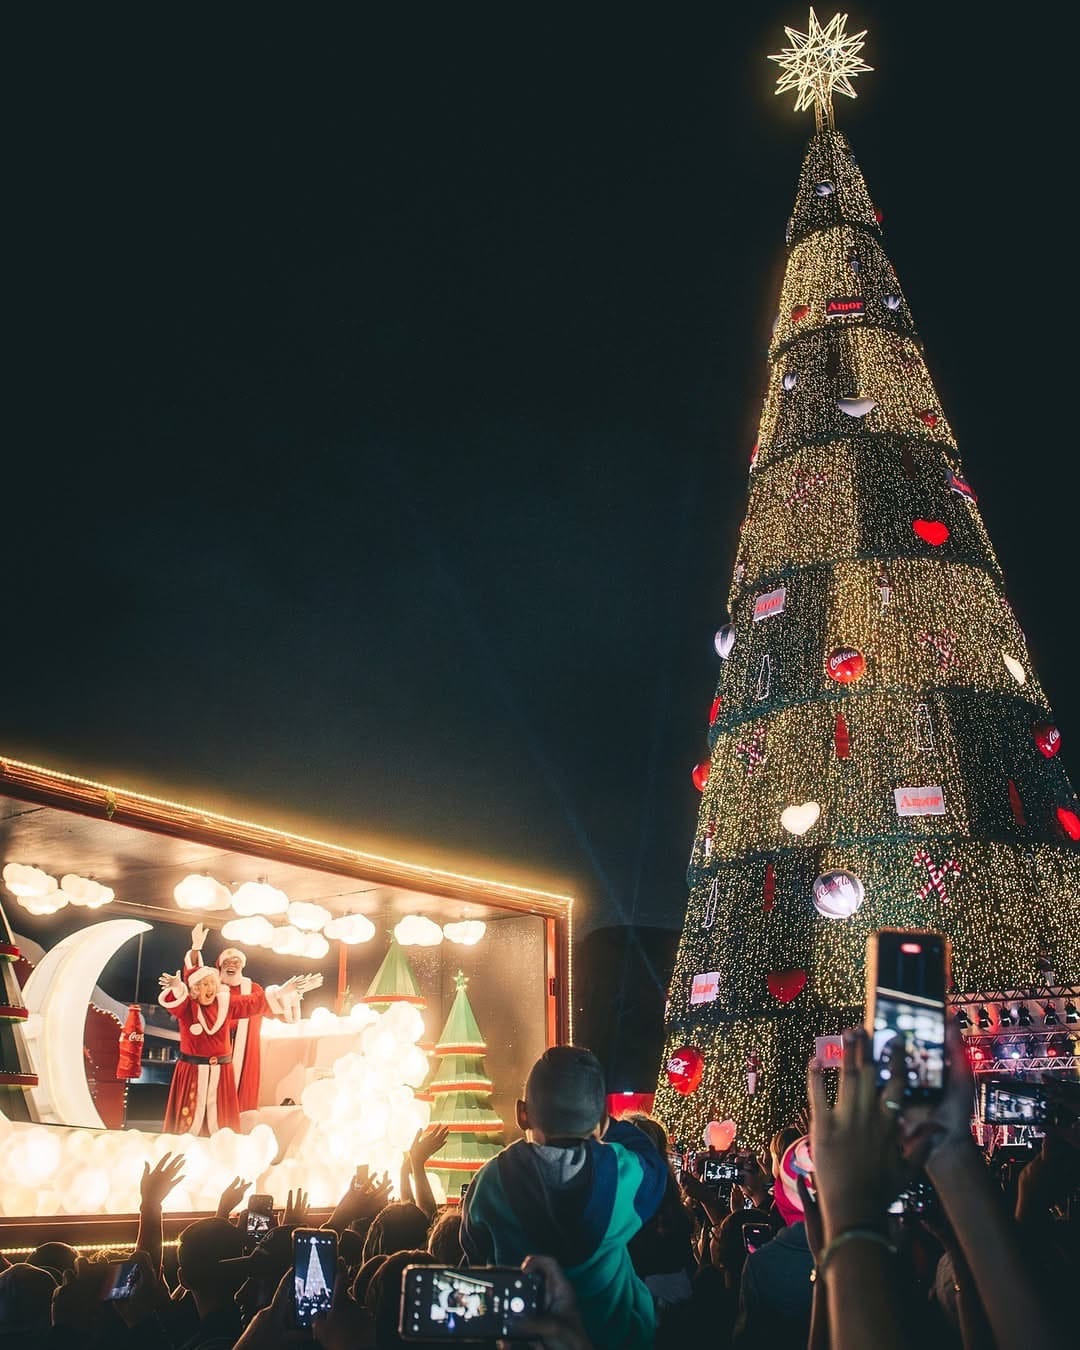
point(485, 1303)
point(120, 1280)
point(906, 974)
point(718, 1172)
point(314, 1270)
point(1014, 1103)
point(755, 1236)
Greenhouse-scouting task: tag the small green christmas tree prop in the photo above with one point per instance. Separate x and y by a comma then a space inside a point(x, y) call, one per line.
point(16, 1073)
point(394, 982)
point(458, 1090)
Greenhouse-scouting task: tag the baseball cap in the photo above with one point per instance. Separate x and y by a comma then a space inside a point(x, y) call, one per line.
point(565, 1094)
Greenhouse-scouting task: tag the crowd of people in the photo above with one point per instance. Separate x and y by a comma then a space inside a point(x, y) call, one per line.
point(871, 1223)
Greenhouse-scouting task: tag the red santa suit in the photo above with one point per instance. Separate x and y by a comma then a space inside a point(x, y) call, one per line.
point(203, 1092)
point(247, 1028)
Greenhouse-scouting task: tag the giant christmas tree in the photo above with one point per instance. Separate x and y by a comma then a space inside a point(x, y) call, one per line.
point(881, 751)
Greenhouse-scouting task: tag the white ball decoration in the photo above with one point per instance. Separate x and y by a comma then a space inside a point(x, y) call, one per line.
point(856, 407)
point(724, 641)
point(837, 895)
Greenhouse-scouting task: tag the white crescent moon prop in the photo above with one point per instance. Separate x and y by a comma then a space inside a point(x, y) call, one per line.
point(57, 995)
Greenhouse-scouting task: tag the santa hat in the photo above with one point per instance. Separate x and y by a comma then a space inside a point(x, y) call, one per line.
point(201, 974)
point(232, 951)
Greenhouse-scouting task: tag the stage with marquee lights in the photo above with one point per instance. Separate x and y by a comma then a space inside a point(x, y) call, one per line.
point(438, 991)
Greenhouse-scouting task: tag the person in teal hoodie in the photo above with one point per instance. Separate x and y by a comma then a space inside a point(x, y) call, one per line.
point(577, 1188)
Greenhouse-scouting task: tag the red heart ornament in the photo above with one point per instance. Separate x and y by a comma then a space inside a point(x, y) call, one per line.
point(1047, 738)
point(700, 775)
point(1070, 822)
point(933, 532)
point(927, 416)
point(799, 312)
point(784, 985)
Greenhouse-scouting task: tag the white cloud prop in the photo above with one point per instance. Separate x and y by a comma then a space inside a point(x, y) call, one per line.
point(310, 917)
point(29, 881)
point(467, 933)
point(414, 930)
point(253, 932)
point(350, 929)
point(84, 891)
point(202, 892)
point(362, 1110)
point(256, 897)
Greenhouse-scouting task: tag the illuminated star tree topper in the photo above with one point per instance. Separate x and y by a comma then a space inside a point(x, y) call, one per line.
point(819, 61)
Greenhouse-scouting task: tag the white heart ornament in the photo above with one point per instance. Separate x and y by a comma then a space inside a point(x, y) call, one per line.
point(798, 819)
point(724, 641)
point(856, 407)
point(892, 302)
point(1015, 669)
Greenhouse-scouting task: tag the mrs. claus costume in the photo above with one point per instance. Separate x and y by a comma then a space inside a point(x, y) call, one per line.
point(203, 1091)
point(274, 1001)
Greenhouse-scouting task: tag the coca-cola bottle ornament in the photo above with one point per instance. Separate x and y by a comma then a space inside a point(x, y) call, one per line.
point(753, 1068)
point(129, 1063)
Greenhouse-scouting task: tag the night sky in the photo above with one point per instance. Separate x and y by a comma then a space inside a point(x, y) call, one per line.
point(384, 393)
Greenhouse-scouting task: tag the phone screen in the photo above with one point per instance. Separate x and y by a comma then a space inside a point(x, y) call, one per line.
point(314, 1270)
point(120, 1280)
point(484, 1303)
point(715, 1170)
point(257, 1225)
point(755, 1235)
point(908, 971)
point(1013, 1104)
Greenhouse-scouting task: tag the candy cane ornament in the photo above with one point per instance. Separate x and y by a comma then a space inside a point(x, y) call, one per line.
point(937, 875)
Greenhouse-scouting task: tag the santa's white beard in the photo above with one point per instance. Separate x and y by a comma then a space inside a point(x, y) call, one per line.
point(232, 980)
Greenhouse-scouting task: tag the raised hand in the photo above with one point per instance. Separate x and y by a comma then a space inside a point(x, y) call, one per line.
point(296, 1209)
point(231, 1196)
point(170, 982)
point(428, 1141)
point(305, 983)
point(155, 1184)
point(360, 1202)
point(855, 1145)
point(199, 934)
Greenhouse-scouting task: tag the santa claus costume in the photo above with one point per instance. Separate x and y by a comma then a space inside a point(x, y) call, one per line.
point(202, 1098)
point(274, 1001)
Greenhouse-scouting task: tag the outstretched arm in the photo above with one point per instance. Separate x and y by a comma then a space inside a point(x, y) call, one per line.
point(173, 992)
point(153, 1188)
point(426, 1143)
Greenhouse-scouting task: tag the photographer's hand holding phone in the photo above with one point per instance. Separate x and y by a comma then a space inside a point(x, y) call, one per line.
point(558, 1326)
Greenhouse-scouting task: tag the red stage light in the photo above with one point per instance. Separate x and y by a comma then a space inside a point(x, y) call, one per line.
point(911, 948)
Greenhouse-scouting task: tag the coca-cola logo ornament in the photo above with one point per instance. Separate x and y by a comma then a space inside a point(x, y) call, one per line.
point(685, 1068)
point(845, 665)
point(837, 895)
